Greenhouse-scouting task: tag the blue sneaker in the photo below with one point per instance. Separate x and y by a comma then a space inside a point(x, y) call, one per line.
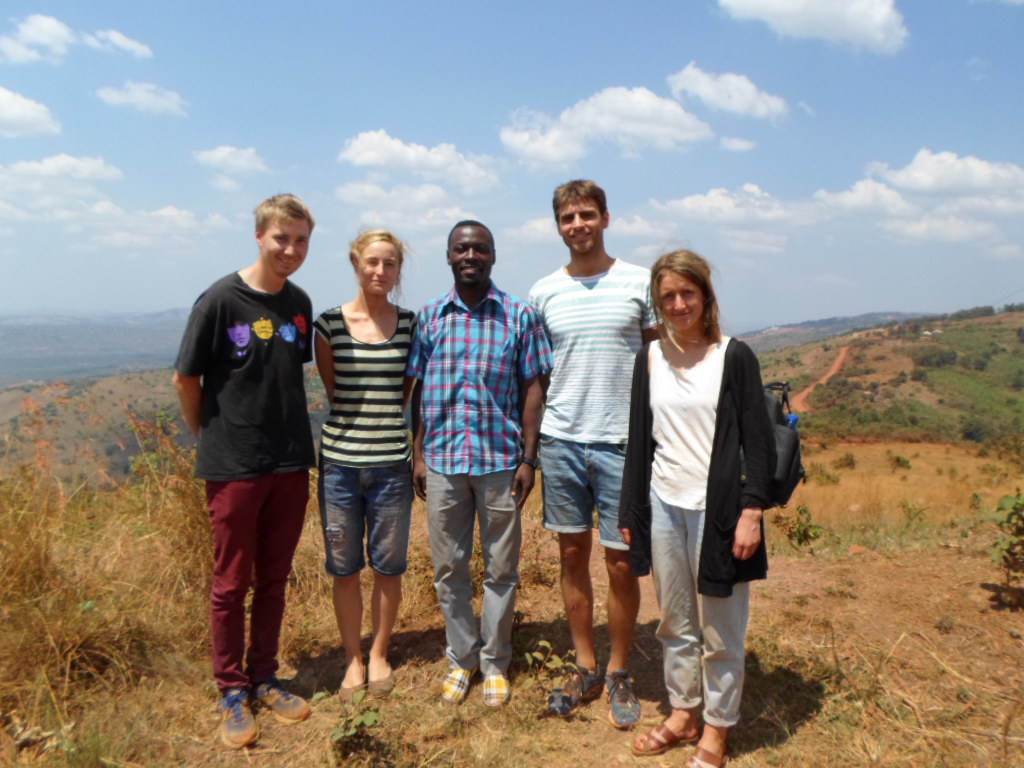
point(238, 727)
point(624, 707)
point(584, 685)
point(286, 707)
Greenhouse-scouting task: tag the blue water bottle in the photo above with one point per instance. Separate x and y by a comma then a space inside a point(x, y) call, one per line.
point(792, 420)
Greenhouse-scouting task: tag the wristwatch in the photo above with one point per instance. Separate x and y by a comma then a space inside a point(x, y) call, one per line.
point(532, 462)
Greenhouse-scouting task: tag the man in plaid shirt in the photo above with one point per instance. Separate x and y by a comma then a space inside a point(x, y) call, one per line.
point(478, 357)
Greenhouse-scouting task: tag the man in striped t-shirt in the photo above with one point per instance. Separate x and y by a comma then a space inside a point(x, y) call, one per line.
point(597, 313)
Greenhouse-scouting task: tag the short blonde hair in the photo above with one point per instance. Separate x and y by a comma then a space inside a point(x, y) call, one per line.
point(696, 268)
point(282, 207)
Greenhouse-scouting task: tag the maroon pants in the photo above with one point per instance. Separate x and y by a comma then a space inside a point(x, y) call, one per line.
point(256, 527)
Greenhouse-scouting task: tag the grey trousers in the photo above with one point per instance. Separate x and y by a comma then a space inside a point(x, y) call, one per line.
point(454, 504)
point(702, 637)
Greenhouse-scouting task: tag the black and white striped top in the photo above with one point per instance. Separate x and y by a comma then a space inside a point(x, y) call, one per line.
point(366, 426)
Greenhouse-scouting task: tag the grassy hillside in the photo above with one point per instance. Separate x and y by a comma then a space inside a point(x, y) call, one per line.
point(945, 380)
point(950, 380)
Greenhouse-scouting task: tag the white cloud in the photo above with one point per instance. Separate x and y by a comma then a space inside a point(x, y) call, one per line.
point(735, 144)
point(753, 241)
point(943, 229)
point(539, 230)
point(146, 97)
point(37, 38)
point(60, 187)
point(1011, 204)
point(872, 24)
point(379, 150)
point(423, 206)
point(727, 92)
point(21, 116)
point(111, 38)
point(66, 166)
point(114, 227)
point(947, 172)
point(633, 118)
point(867, 195)
point(638, 226)
point(749, 203)
point(44, 38)
point(237, 161)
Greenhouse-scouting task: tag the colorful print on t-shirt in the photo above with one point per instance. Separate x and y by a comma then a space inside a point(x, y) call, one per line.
point(240, 336)
point(264, 328)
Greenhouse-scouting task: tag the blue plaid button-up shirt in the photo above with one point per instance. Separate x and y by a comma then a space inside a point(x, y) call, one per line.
point(471, 362)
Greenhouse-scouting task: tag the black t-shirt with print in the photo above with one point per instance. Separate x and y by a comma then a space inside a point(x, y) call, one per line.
point(250, 347)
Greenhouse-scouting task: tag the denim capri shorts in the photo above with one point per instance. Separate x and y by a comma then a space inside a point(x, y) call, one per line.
point(374, 503)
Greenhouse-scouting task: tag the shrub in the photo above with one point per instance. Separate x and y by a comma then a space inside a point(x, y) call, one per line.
point(846, 461)
point(934, 356)
point(1008, 551)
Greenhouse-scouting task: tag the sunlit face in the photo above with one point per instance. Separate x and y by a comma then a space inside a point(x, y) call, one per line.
point(378, 268)
point(582, 226)
point(283, 246)
point(681, 302)
point(471, 256)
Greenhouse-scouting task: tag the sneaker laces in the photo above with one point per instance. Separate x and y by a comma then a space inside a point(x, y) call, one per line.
point(235, 704)
point(273, 685)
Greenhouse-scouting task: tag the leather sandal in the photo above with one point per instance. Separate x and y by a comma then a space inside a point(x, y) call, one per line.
point(702, 758)
point(659, 740)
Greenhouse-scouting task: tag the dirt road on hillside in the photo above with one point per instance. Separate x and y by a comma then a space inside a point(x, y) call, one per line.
point(800, 401)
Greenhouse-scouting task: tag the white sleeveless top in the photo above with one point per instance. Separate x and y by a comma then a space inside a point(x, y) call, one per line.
point(684, 403)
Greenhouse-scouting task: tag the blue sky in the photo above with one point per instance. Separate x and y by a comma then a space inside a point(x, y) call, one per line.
point(830, 157)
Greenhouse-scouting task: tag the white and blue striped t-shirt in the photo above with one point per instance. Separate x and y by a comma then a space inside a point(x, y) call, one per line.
point(594, 324)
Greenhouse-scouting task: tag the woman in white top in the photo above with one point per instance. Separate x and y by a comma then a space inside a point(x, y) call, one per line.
point(365, 487)
point(690, 514)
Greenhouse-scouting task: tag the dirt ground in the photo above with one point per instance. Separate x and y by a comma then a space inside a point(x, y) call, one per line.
point(843, 650)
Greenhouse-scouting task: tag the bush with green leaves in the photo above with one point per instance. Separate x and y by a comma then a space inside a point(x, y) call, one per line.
point(1008, 551)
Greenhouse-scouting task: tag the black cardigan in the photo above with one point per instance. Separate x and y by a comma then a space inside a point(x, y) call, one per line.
point(742, 421)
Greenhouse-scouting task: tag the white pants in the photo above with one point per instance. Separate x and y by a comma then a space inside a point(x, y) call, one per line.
point(702, 637)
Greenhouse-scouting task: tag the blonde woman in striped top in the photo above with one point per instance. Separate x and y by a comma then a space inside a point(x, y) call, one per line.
point(365, 477)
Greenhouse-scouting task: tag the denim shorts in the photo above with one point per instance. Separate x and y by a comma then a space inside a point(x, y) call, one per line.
point(375, 502)
point(576, 477)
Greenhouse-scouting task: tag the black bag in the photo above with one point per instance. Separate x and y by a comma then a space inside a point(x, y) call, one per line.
point(789, 467)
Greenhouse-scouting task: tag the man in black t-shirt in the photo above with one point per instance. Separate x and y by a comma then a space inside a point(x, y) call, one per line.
point(239, 379)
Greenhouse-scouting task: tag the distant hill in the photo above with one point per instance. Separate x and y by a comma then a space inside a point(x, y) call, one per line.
point(948, 379)
point(58, 348)
point(64, 348)
point(779, 336)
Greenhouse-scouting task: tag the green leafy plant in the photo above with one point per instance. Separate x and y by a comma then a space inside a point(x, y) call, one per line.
point(898, 462)
point(1008, 551)
point(352, 735)
point(799, 528)
point(545, 667)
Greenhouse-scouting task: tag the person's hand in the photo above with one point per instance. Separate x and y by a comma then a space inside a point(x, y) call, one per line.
point(748, 534)
point(627, 536)
point(522, 484)
point(419, 478)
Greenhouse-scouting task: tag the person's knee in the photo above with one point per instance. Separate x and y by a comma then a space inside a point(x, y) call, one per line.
point(620, 569)
point(575, 554)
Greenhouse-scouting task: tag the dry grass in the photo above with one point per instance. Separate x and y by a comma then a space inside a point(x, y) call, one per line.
point(893, 657)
